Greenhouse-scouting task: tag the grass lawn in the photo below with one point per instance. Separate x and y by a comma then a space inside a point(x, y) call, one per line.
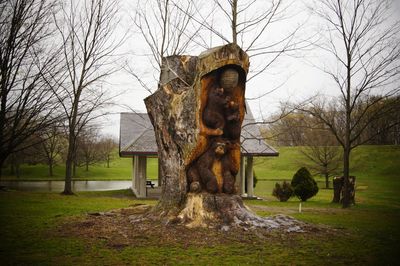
point(366, 234)
point(28, 221)
point(120, 169)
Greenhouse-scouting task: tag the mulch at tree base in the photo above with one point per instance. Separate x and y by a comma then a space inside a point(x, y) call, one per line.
point(118, 231)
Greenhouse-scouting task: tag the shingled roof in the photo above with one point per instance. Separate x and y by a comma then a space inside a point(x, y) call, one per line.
point(137, 136)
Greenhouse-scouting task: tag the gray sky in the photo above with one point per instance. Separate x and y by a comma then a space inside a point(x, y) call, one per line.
point(295, 76)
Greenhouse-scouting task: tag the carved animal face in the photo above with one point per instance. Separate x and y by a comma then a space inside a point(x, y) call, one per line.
point(219, 91)
point(220, 149)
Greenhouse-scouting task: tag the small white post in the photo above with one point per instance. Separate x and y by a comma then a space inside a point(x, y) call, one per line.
point(300, 207)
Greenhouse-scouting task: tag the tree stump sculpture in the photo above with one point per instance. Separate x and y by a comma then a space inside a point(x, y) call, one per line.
point(197, 113)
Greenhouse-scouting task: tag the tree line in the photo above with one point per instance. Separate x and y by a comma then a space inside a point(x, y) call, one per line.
point(49, 147)
point(54, 59)
point(300, 128)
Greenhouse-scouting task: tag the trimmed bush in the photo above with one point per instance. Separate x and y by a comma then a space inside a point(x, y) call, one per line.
point(283, 191)
point(304, 185)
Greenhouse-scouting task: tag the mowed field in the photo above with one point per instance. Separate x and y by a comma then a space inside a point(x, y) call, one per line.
point(31, 224)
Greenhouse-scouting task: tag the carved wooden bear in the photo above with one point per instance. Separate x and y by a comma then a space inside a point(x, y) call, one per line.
point(213, 113)
point(200, 172)
point(213, 170)
point(229, 168)
point(232, 115)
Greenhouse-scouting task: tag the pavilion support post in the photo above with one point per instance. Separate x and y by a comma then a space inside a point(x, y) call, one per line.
point(133, 174)
point(142, 165)
point(249, 176)
point(241, 177)
point(139, 164)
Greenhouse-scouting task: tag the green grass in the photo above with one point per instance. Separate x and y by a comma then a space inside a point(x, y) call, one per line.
point(367, 234)
point(376, 167)
point(367, 161)
point(120, 169)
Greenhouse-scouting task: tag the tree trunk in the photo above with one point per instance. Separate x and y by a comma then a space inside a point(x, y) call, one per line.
point(74, 168)
point(1, 169)
point(347, 133)
point(337, 188)
point(17, 170)
point(108, 161)
point(12, 168)
point(87, 166)
point(234, 21)
point(346, 173)
point(69, 165)
point(186, 142)
point(326, 180)
point(50, 168)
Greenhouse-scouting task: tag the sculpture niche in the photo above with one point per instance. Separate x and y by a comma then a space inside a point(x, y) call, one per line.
point(215, 170)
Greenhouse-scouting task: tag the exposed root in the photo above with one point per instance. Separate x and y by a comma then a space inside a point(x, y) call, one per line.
point(194, 214)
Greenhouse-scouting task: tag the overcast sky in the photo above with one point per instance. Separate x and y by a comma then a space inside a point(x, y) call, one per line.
point(295, 76)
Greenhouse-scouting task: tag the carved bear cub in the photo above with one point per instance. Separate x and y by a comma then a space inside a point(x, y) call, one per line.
point(212, 170)
point(200, 173)
point(233, 124)
point(213, 113)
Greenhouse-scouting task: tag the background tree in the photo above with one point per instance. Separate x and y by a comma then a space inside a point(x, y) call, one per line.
point(28, 155)
point(107, 147)
point(318, 146)
point(167, 28)
point(52, 146)
point(88, 151)
point(288, 130)
point(252, 25)
point(384, 130)
point(86, 30)
point(26, 60)
point(322, 154)
point(362, 39)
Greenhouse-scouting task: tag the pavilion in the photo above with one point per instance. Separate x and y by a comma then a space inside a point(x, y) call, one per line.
point(137, 141)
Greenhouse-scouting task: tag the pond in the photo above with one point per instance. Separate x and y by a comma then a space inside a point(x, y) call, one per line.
point(58, 186)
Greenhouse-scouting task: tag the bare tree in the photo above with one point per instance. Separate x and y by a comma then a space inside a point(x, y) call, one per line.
point(86, 30)
point(26, 58)
point(52, 146)
point(362, 39)
point(251, 27)
point(322, 153)
point(88, 151)
point(107, 146)
point(167, 29)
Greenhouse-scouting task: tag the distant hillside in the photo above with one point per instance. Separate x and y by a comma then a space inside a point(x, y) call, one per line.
point(366, 161)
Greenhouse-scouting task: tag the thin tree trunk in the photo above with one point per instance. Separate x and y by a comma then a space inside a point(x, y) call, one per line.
point(347, 149)
point(50, 168)
point(69, 165)
point(12, 168)
point(234, 21)
point(326, 180)
point(346, 173)
point(17, 170)
point(108, 161)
